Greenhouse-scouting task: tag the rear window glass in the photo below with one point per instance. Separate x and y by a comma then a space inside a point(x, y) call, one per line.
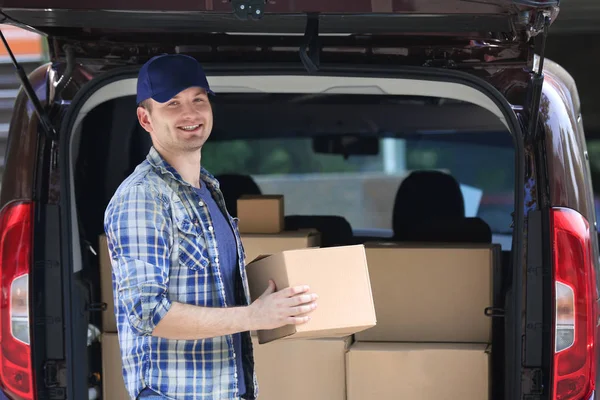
point(363, 188)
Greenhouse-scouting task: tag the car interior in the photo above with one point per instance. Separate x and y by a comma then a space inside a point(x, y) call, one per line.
point(414, 202)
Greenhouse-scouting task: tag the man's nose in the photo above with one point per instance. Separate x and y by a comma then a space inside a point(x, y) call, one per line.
point(188, 109)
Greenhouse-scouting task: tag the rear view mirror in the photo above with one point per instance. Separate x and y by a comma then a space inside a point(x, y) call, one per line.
point(346, 145)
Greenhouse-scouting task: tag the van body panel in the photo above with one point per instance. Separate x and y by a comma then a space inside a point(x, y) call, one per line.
point(500, 7)
point(565, 144)
point(22, 148)
point(568, 169)
point(127, 33)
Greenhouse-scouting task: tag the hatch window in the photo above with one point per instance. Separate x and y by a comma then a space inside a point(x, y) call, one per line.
point(362, 188)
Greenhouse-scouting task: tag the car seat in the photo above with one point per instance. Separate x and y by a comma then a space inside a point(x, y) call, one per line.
point(335, 230)
point(429, 207)
point(233, 186)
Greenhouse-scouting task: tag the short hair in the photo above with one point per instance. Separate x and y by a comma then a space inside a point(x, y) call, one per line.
point(146, 104)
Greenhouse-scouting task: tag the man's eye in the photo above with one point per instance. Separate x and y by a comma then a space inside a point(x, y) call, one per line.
point(173, 103)
point(199, 99)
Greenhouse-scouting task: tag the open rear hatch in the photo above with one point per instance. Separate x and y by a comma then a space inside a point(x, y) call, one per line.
point(499, 41)
point(337, 16)
point(496, 30)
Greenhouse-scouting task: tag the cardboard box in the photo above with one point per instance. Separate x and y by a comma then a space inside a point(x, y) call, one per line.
point(302, 369)
point(423, 371)
point(109, 321)
point(260, 213)
point(113, 385)
point(431, 294)
point(338, 275)
point(260, 244)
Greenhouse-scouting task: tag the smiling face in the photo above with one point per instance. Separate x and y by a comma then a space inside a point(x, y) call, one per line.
point(180, 125)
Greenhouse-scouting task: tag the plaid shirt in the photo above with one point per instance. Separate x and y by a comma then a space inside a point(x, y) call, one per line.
point(163, 249)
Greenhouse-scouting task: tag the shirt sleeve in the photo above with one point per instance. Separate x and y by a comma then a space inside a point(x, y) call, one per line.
point(138, 231)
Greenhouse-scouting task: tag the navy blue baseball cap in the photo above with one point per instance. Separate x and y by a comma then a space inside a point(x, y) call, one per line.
point(162, 77)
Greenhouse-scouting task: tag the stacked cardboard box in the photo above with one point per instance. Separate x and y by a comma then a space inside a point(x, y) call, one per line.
point(113, 386)
point(109, 323)
point(261, 213)
point(432, 339)
point(419, 371)
point(431, 293)
point(308, 361)
point(258, 244)
point(261, 225)
point(305, 361)
point(338, 275)
point(302, 369)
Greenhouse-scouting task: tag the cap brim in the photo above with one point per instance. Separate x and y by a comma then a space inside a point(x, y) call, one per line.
point(167, 95)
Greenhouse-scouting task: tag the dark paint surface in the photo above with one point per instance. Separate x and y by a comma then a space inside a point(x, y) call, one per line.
point(21, 151)
point(289, 6)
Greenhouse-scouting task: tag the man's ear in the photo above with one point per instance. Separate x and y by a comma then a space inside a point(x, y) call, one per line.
point(144, 119)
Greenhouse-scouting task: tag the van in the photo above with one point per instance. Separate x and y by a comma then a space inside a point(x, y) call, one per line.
point(335, 105)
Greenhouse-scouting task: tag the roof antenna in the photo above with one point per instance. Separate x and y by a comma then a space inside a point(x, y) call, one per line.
point(311, 48)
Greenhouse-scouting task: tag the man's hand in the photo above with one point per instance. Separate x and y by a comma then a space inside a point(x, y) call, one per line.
point(287, 306)
point(271, 310)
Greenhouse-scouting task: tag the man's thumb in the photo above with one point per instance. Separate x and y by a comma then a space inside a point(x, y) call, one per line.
point(270, 288)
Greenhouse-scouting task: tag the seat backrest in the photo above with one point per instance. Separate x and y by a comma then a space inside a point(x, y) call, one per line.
point(335, 230)
point(425, 195)
point(429, 207)
point(233, 186)
point(452, 230)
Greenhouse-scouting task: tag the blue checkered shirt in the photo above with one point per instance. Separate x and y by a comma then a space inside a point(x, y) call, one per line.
point(163, 250)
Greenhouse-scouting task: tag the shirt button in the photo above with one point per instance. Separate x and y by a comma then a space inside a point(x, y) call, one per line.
point(210, 228)
point(217, 260)
point(201, 203)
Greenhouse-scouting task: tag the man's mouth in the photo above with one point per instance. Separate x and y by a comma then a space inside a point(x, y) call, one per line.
point(190, 128)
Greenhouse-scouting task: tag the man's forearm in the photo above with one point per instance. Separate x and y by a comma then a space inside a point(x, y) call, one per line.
point(188, 322)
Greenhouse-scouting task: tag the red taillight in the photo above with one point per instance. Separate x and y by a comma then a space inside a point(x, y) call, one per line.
point(574, 322)
point(16, 374)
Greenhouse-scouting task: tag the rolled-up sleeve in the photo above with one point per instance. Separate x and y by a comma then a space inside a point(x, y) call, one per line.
point(138, 231)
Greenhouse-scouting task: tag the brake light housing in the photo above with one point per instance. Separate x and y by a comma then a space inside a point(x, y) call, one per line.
point(574, 297)
point(16, 241)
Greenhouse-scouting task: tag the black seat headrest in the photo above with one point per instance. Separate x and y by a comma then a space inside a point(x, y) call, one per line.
point(233, 186)
point(335, 230)
point(425, 195)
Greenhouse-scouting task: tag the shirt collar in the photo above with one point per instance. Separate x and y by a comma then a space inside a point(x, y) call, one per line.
point(159, 163)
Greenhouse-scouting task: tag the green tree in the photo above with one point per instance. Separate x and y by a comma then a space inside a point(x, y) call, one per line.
point(270, 156)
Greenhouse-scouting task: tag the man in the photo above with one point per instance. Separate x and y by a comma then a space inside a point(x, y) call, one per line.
point(181, 295)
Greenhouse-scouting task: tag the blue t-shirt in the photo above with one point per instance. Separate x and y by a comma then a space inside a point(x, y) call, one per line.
point(228, 263)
